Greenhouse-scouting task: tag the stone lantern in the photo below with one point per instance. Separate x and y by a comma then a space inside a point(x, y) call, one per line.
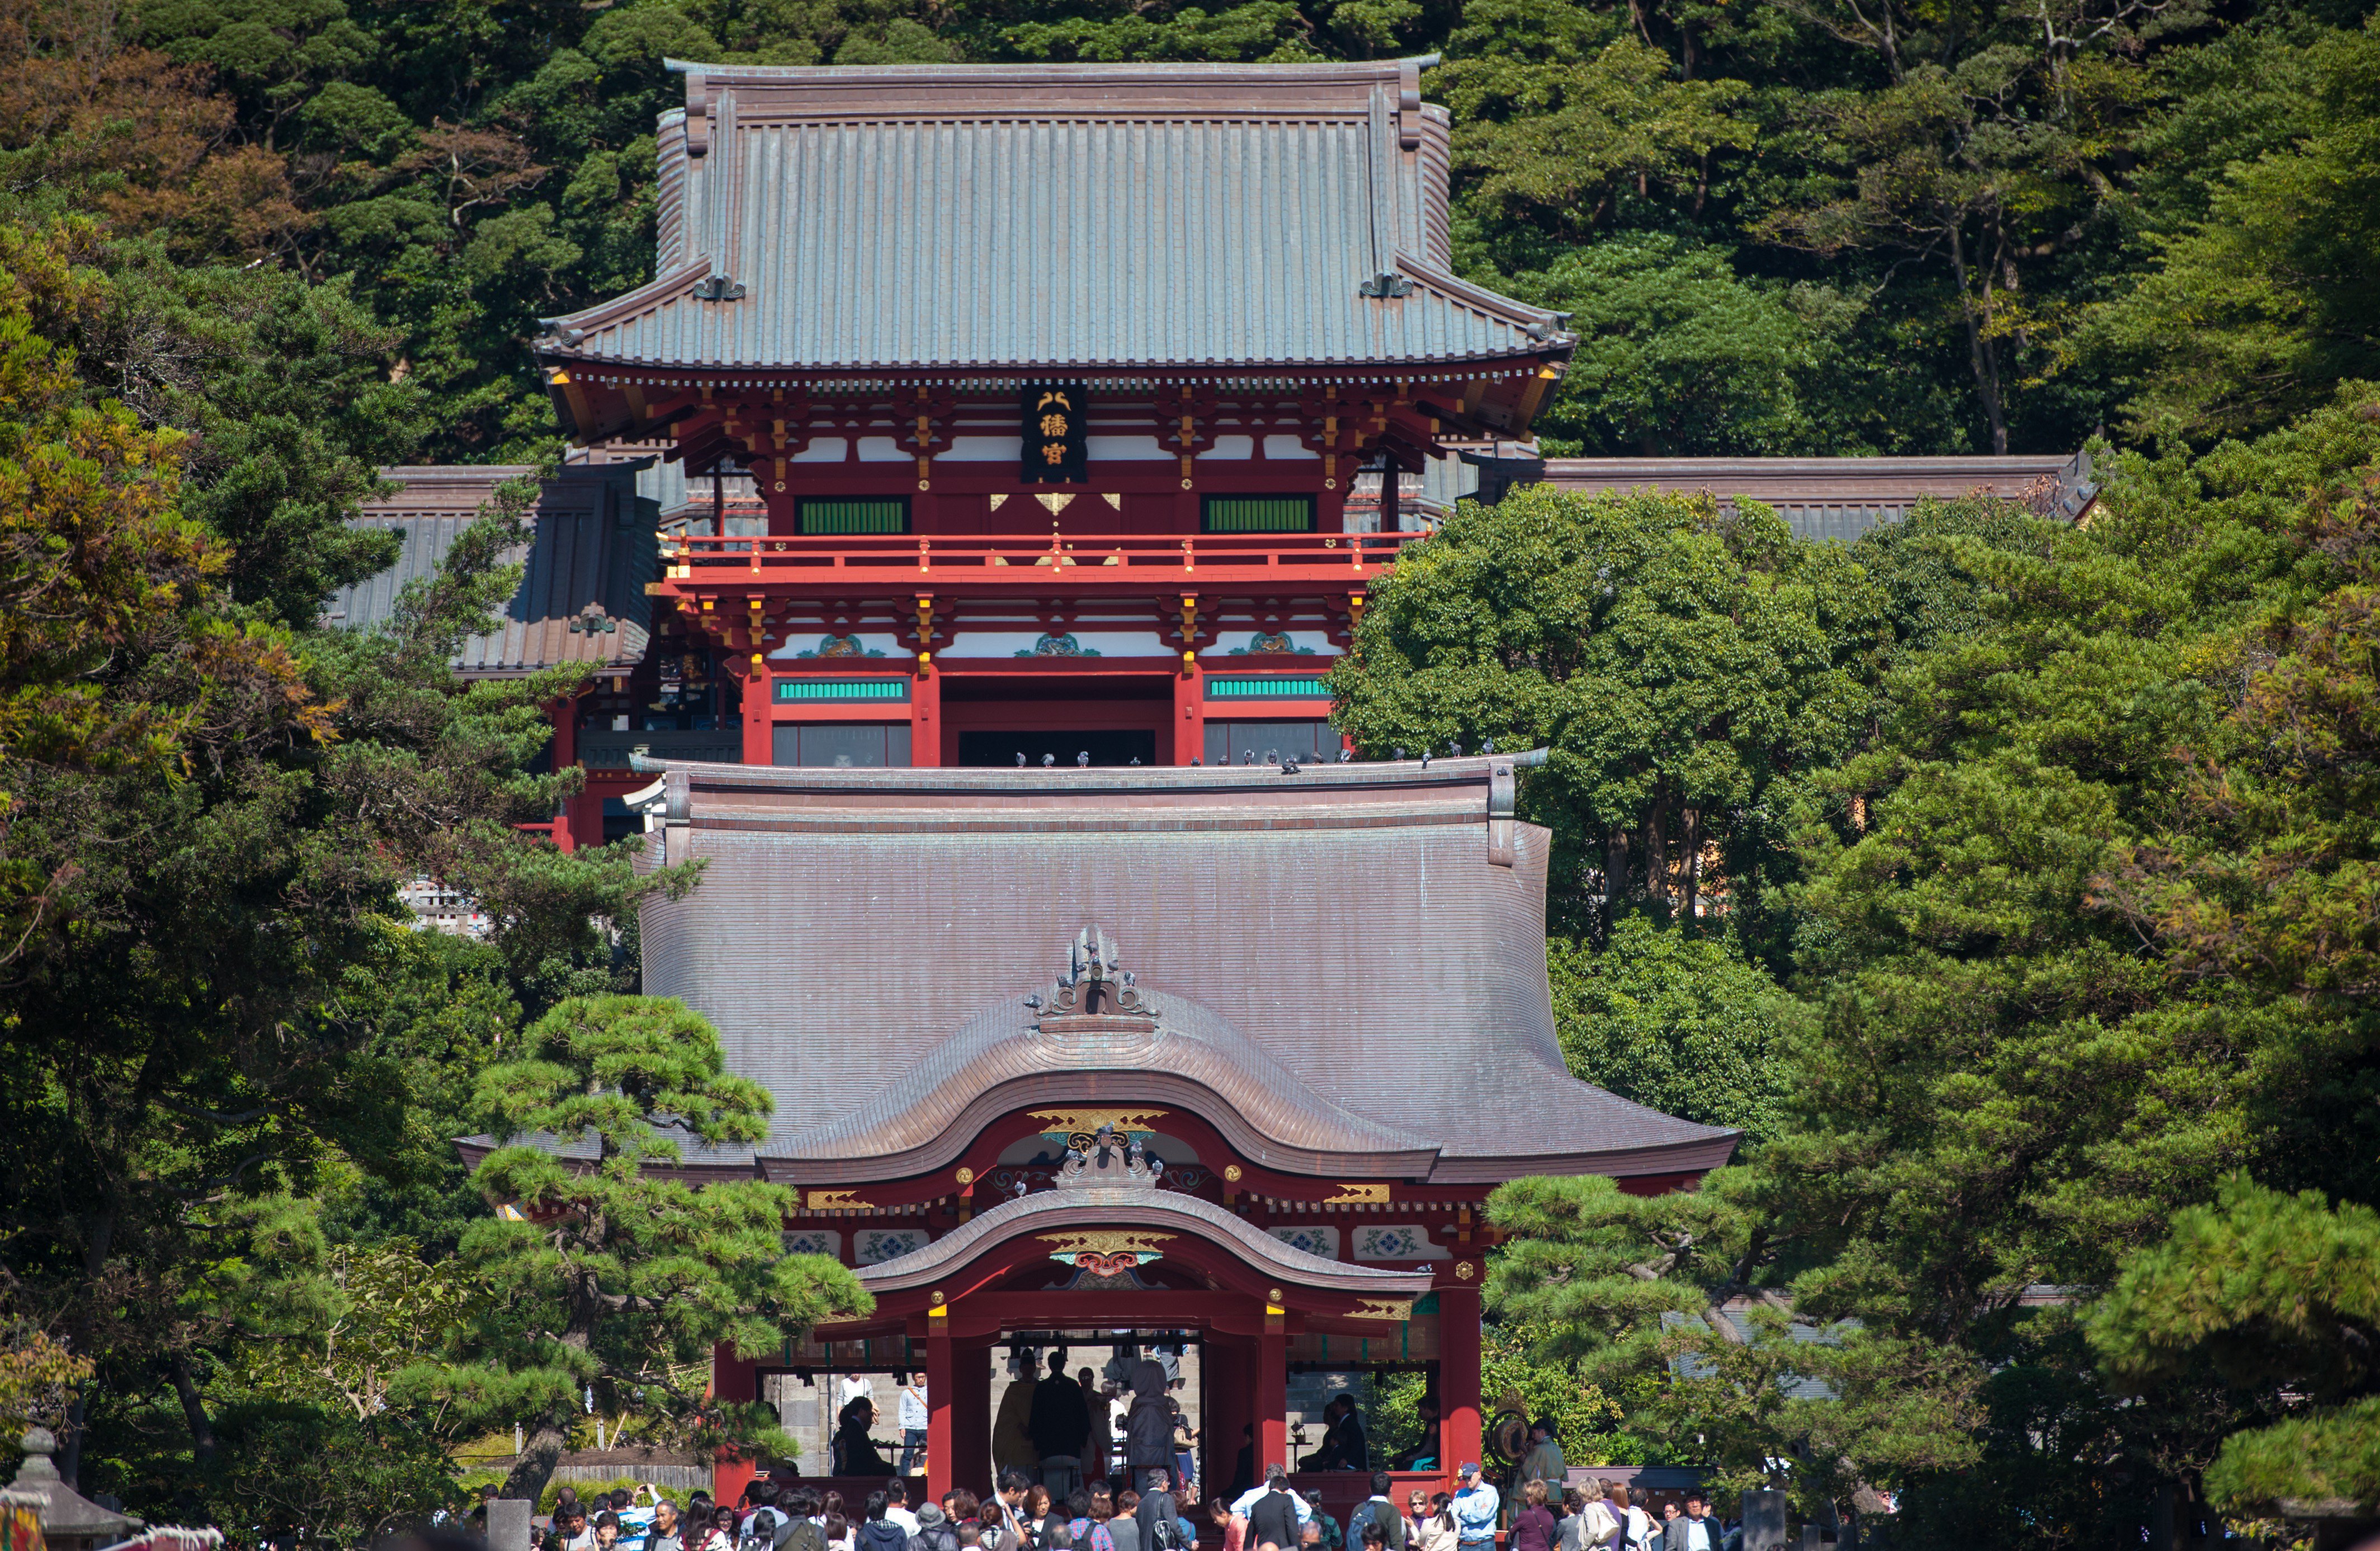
point(71, 1521)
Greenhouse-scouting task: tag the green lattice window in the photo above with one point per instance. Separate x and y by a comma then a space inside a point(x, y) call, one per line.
point(876, 514)
point(1259, 513)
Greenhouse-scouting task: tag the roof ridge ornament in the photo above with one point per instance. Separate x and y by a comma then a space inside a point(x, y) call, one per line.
point(1384, 285)
point(1094, 984)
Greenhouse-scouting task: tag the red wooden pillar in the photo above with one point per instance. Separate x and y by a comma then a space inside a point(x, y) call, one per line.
point(563, 714)
point(971, 1419)
point(1189, 711)
point(942, 1448)
point(926, 717)
point(1222, 1411)
point(759, 730)
point(733, 1379)
point(1271, 1397)
point(1458, 1375)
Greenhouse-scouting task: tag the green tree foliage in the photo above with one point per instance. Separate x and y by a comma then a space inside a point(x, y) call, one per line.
point(2281, 1295)
point(2265, 296)
point(609, 1273)
point(216, 1031)
point(1687, 668)
point(1956, 211)
point(2076, 924)
point(1679, 1300)
point(1678, 355)
point(1677, 1022)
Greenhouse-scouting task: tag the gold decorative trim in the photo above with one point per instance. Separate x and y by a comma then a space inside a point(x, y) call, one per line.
point(1118, 1241)
point(1232, 1173)
point(1357, 1194)
point(1086, 1122)
point(1466, 1270)
point(1397, 1309)
point(834, 1201)
point(966, 1176)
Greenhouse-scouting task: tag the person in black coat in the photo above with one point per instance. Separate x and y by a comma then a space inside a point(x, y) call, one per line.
point(854, 1451)
point(1060, 1426)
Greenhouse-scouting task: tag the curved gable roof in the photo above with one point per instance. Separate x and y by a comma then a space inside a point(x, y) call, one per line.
point(1002, 1057)
point(1149, 1211)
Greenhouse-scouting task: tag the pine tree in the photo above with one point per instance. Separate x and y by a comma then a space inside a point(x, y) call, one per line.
point(612, 1272)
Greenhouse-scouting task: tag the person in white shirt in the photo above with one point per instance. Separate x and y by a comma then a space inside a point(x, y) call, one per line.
point(912, 1423)
point(853, 1387)
point(1248, 1500)
point(896, 1497)
point(1636, 1528)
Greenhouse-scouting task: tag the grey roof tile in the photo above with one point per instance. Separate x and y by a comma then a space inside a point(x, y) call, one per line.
point(1053, 217)
point(594, 544)
point(1341, 937)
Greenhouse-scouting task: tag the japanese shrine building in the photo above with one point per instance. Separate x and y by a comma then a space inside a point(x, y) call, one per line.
point(1318, 997)
point(1032, 404)
point(1044, 391)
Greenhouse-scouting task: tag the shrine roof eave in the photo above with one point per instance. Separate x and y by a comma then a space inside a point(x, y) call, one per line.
point(1362, 1151)
point(1148, 1211)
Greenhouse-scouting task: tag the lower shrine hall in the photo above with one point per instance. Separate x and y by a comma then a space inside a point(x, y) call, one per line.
point(1220, 1058)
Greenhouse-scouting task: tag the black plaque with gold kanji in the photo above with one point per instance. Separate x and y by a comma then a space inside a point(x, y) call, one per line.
point(1055, 449)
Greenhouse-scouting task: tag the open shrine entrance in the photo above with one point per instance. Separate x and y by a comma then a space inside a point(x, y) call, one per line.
point(1218, 1382)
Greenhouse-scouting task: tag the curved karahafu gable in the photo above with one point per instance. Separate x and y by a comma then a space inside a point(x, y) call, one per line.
point(1346, 961)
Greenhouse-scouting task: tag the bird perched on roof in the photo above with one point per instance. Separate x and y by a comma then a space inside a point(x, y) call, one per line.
point(1346, 756)
point(1020, 759)
point(1398, 751)
point(1048, 760)
point(1425, 758)
point(1289, 767)
point(1083, 760)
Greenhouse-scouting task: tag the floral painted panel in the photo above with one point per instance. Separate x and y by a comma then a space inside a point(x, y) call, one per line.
point(870, 1246)
point(1323, 1242)
point(813, 1241)
point(1398, 1241)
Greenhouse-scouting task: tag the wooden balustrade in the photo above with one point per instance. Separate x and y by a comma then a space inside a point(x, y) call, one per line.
point(1096, 561)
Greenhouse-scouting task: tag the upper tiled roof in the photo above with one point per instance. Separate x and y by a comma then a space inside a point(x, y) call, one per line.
point(1046, 217)
point(1348, 965)
point(594, 545)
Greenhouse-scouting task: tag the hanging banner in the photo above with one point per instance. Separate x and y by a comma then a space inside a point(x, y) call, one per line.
point(1056, 449)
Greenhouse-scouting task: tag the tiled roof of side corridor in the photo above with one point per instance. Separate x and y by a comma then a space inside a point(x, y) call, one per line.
point(594, 544)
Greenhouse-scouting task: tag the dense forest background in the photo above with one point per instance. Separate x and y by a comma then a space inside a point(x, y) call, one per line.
point(2014, 887)
point(1817, 227)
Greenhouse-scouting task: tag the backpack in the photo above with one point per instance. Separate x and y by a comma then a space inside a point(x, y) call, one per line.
point(1164, 1532)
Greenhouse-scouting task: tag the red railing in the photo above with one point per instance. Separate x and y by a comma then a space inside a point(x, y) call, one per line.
point(1138, 558)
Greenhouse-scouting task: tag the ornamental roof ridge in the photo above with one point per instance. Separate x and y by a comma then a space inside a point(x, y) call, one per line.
point(1077, 1211)
point(1121, 71)
point(1428, 772)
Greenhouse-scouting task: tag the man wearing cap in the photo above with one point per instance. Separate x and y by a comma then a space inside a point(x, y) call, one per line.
point(1475, 1508)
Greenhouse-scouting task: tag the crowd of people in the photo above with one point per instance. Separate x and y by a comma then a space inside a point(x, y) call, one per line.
point(1162, 1514)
